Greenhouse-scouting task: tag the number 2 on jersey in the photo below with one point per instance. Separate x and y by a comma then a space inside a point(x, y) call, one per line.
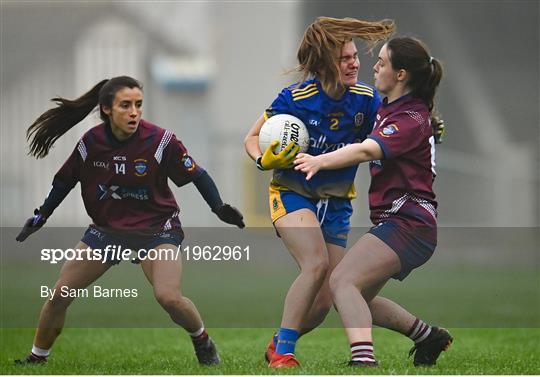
point(334, 123)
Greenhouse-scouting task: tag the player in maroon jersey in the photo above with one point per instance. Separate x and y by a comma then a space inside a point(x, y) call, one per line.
point(123, 165)
point(402, 203)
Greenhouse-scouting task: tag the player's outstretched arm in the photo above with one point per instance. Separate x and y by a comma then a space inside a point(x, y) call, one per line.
point(209, 191)
point(349, 155)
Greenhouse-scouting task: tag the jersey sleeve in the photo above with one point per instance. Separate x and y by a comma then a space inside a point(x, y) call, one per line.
point(181, 167)
point(281, 105)
point(398, 135)
point(69, 174)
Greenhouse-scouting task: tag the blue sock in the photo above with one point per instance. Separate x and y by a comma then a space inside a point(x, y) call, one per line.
point(274, 339)
point(286, 341)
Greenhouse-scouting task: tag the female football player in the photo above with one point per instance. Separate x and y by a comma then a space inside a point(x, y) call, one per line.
point(123, 165)
point(403, 208)
point(312, 218)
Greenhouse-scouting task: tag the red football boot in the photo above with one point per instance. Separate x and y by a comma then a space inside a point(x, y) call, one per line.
point(283, 361)
point(270, 350)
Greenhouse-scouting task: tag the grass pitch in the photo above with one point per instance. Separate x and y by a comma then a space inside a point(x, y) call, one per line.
point(169, 351)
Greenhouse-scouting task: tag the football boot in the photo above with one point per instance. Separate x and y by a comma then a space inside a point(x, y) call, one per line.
point(206, 351)
point(428, 350)
point(283, 361)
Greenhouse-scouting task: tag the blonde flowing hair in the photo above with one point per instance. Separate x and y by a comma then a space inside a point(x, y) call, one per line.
point(322, 43)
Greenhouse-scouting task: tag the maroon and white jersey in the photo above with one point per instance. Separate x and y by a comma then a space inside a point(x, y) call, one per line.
point(402, 182)
point(124, 184)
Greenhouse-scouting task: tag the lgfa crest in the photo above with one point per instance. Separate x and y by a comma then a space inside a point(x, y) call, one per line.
point(358, 119)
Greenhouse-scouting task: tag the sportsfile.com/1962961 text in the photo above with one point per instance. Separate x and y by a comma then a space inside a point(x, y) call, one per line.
point(214, 253)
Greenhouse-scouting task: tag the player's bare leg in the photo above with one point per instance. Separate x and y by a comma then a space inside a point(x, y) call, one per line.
point(301, 234)
point(388, 314)
point(75, 274)
point(165, 277)
point(307, 247)
point(429, 341)
point(323, 302)
point(369, 263)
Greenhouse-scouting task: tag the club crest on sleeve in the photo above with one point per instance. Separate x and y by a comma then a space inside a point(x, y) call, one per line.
point(358, 119)
point(141, 167)
point(188, 162)
point(388, 130)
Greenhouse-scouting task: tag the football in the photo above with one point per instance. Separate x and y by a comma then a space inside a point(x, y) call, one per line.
point(284, 128)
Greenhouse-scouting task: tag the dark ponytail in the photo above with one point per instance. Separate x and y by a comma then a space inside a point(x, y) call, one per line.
point(425, 72)
point(55, 122)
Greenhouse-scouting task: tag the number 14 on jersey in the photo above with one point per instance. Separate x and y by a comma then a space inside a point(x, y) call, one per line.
point(120, 168)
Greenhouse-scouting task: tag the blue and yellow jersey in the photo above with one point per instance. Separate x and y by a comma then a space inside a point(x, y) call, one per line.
point(332, 124)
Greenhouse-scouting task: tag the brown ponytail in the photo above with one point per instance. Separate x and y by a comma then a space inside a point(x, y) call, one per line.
point(55, 122)
point(425, 72)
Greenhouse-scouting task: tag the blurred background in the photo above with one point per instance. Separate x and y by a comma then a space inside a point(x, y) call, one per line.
point(210, 69)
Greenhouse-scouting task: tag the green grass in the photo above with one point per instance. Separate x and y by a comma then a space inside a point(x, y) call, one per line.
point(168, 351)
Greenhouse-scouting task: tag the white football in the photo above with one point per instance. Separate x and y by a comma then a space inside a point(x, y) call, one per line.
point(284, 128)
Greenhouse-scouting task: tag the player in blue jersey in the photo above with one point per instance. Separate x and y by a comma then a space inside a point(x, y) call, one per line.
point(401, 153)
point(123, 166)
point(312, 217)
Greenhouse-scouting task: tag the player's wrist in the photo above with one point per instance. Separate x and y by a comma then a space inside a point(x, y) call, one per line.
point(41, 212)
point(321, 161)
point(258, 163)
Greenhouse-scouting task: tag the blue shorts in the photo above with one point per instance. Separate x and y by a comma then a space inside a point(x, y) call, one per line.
point(98, 239)
point(333, 214)
point(414, 246)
